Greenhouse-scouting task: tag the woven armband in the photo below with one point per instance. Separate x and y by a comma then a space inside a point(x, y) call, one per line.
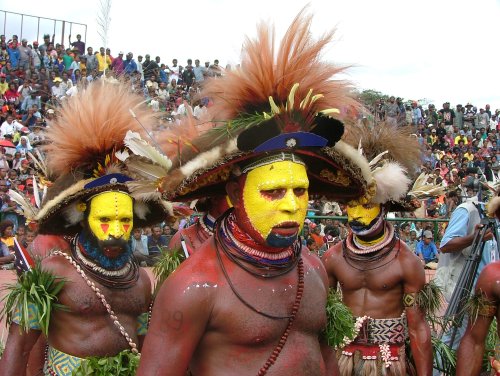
point(409, 299)
point(142, 324)
point(33, 320)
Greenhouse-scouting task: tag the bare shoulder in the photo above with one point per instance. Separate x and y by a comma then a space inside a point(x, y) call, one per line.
point(489, 281)
point(57, 265)
point(331, 256)
point(411, 266)
point(313, 262)
point(194, 282)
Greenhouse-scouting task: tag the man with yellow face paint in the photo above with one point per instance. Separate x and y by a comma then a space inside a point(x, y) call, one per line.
point(251, 300)
point(86, 221)
point(379, 276)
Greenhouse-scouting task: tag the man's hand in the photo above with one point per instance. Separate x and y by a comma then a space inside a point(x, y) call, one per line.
point(488, 235)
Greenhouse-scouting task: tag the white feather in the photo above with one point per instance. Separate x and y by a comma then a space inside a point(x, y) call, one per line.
point(375, 160)
point(141, 210)
point(72, 214)
point(392, 183)
point(145, 170)
point(208, 158)
point(140, 147)
point(36, 193)
point(29, 210)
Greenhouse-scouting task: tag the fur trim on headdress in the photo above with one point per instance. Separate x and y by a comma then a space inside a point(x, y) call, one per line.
point(392, 183)
point(91, 125)
point(493, 207)
point(398, 142)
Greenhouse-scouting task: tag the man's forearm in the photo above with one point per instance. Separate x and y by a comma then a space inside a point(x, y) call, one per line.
point(420, 342)
point(469, 362)
point(458, 244)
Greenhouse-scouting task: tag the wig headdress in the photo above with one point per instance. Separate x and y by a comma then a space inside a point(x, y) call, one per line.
point(278, 105)
point(86, 142)
point(394, 156)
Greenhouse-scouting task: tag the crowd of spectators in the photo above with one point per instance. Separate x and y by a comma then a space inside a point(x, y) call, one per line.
point(459, 144)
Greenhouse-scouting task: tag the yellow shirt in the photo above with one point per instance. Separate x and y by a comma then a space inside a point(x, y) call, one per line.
point(461, 138)
point(101, 63)
point(4, 86)
point(469, 156)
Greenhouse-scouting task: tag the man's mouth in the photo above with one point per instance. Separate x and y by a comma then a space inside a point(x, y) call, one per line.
point(286, 229)
point(113, 251)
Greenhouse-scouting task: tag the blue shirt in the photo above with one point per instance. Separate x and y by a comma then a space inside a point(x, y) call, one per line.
point(14, 56)
point(428, 251)
point(458, 228)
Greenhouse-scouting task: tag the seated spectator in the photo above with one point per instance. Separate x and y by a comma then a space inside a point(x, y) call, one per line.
point(157, 242)
point(6, 257)
point(427, 250)
point(7, 232)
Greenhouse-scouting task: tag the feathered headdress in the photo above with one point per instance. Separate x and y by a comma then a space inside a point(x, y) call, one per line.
point(394, 157)
point(280, 102)
point(85, 153)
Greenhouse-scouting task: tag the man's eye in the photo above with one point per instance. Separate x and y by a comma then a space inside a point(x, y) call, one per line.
point(273, 193)
point(299, 191)
point(105, 219)
point(126, 220)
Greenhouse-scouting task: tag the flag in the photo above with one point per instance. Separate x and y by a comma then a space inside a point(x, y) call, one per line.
point(23, 262)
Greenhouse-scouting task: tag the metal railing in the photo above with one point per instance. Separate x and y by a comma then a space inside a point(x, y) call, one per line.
point(19, 26)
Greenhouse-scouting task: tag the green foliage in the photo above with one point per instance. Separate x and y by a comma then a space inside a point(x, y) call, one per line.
point(430, 298)
point(166, 264)
point(123, 364)
point(36, 287)
point(2, 347)
point(489, 347)
point(369, 97)
point(476, 303)
point(445, 358)
point(340, 320)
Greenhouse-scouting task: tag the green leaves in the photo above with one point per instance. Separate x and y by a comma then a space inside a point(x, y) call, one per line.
point(35, 293)
point(166, 264)
point(124, 363)
point(340, 320)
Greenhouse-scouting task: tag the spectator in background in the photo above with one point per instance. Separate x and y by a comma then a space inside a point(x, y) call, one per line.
point(129, 65)
point(118, 65)
point(139, 244)
point(7, 231)
point(79, 45)
point(199, 71)
point(427, 250)
point(157, 242)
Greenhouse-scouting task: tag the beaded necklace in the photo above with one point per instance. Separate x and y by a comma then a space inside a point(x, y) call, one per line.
point(220, 242)
point(121, 279)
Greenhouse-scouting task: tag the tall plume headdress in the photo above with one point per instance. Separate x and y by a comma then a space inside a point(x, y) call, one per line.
point(277, 106)
point(85, 154)
point(394, 156)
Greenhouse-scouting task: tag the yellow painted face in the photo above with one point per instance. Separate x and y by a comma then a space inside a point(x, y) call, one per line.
point(363, 214)
point(275, 200)
point(111, 214)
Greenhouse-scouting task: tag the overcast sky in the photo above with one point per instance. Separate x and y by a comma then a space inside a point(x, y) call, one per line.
point(442, 50)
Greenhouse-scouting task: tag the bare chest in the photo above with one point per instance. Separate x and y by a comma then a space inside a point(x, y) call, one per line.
point(243, 313)
point(381, 275)
point(80, 298)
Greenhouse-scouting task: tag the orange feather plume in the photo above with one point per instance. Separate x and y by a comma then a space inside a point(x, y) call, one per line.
point(269, 72)
point(93, 124)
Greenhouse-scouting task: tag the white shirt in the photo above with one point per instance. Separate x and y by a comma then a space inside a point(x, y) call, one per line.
point(11, 128)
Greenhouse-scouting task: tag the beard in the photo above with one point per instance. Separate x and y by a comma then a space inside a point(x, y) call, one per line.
point(94, 249)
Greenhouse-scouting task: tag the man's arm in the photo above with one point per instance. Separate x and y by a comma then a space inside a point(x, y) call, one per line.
point(418, 329)
point(17, 350)
point(472, 345)
point(178, 322)
point(458, 243)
